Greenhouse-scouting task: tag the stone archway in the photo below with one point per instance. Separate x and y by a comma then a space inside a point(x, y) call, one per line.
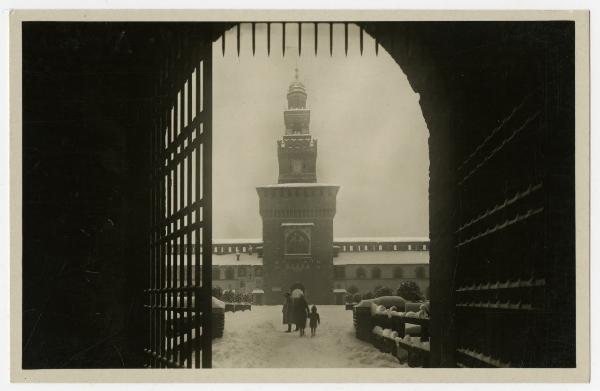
point(498, 99)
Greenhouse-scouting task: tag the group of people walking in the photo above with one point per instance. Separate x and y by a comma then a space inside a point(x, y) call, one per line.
point(296, 312)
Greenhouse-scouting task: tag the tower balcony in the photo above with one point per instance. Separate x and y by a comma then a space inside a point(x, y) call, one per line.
point(301, 141)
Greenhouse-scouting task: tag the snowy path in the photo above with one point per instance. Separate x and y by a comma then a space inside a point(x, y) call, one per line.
point(256, 339)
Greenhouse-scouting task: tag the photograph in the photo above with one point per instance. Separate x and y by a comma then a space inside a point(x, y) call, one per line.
point(323, 190)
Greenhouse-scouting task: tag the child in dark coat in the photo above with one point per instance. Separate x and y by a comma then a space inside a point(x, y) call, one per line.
point(315, 319)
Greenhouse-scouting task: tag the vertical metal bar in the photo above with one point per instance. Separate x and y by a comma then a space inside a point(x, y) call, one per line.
point(283, 39)
point(346, 38)
point(189, 183)
point(169, 246)
point(157, 220)
point(331, 39)
point(253, 38)
point(223, 43)
point(176, 227)
point(197, 261)
point(159, 227)
point(156, 216)
point(268, 39)
point(316, 37)
point(361, 40)
point(173, 207)
point(238, 27)
point(164, 229)
point(160, 212)
point(182, 227)
point(207, 215)
point(299, 39)
point(151, 274)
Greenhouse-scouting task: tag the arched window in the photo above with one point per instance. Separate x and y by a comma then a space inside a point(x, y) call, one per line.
point(229, 273)
point(398, 272)
point(258, 271)
point(216, 273)
point(376, 272)
point(360, 273)
point(242, 271)
point(420, 272)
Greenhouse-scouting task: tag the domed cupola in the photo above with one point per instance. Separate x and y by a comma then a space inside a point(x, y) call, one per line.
point(296, 95)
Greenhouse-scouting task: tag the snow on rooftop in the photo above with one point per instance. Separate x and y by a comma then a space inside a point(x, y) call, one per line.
point(382, 258)
point(382, 239)
point(231, 260)
point(238, 241)
point(367, 239)
point(299, 184)
point(343, 258)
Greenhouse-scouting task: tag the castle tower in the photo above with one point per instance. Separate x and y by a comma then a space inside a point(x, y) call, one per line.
point(297, 151)
point(297, 213)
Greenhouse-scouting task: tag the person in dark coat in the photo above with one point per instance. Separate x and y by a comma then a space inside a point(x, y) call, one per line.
point(300, 313)
point(315, 319)
point(287, 312)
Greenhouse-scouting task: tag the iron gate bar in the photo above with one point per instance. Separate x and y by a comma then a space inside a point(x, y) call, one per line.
point(223, 43)
point(299, 39)
point(330, 39)
point(283, 35)
point(238, 38)
point(190, 207)
point(316, 37)
point(199, 196)
point(361, 40)
point(346, 38)
point(179, 301)
point(268, 39)
point(283, 39)
point(253, 39)
point(207, 231)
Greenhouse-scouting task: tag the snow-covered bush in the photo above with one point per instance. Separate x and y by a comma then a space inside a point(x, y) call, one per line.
point(228, 296)
point(367, 295)
point(383, 291)
point(409, 290)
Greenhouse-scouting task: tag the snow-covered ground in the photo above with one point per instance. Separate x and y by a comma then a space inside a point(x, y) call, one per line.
point(256, 339)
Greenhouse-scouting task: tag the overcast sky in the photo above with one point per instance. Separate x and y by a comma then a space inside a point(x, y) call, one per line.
point(372, 138)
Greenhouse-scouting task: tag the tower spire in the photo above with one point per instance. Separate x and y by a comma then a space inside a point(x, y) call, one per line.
point(297, 151)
